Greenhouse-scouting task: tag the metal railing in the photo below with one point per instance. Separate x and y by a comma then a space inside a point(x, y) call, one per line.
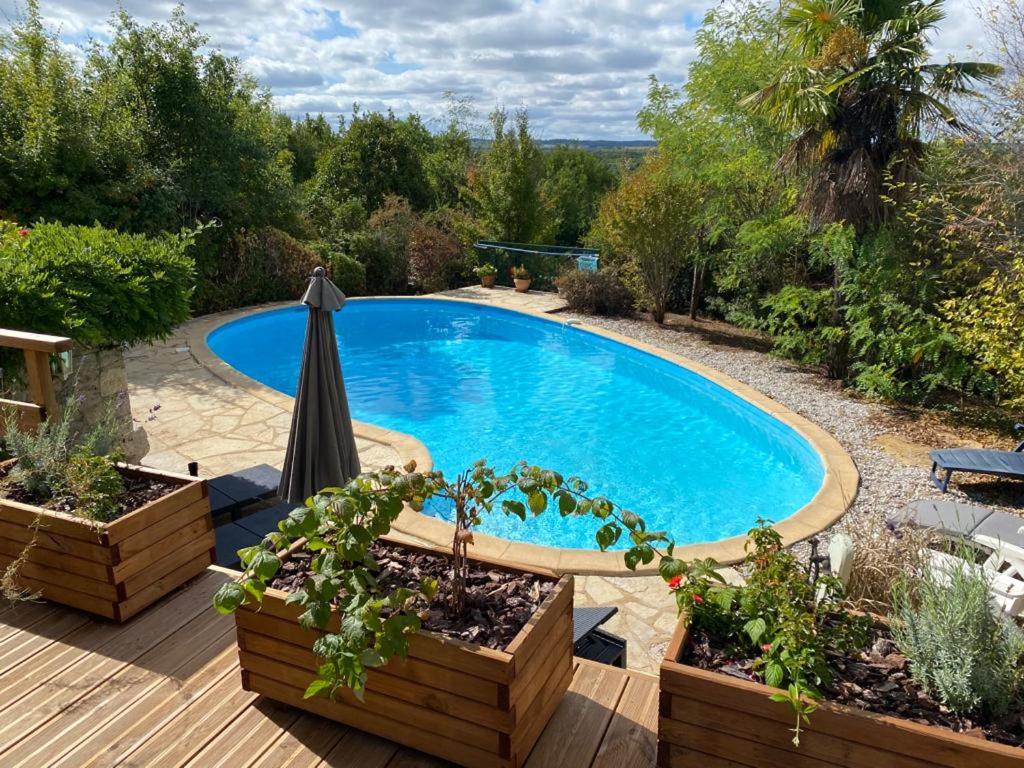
point(544, 262)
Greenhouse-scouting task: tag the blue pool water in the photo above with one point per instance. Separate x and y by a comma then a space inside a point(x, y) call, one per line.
point(474, 382)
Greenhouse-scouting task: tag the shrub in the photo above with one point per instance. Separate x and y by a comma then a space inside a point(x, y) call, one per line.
point(95, 484)
point(595, 293)
point(798, 322)
point(433, 254)
point(383, 247)
point(990, 323)
point(347, 273)
point(782, 620)
point(960, 650)
point(44, 456)
point(256, 266)
point(341, 524)
point(99, 287)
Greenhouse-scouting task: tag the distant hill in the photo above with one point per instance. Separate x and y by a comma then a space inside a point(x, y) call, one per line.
point(599, 143)
point(584, 143)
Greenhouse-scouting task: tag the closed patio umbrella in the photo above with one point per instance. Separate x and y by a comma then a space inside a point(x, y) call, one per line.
point(321, 446)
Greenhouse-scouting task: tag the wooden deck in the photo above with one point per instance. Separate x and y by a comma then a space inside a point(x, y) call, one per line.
point(164, 690)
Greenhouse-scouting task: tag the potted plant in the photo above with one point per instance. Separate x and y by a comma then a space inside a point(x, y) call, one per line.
point(521, 277)
point(487, 274)
point(459, 656)
point(779, 673)
point(81, 528)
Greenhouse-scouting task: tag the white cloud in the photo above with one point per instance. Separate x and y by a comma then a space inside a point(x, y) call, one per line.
point(580, 66)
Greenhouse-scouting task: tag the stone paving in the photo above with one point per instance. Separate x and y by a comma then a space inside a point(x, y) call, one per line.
point(190, 414)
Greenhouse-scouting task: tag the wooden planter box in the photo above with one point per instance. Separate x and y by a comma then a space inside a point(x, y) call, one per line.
point(113, 569)
point(470, 705)
point(711, 720)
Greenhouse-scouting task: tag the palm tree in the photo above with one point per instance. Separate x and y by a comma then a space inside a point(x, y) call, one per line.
point(858, 99)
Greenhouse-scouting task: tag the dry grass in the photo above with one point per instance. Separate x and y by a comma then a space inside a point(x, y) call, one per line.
point(881, 557)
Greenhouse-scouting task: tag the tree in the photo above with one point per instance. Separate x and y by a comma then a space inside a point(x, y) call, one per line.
point(452, 154)
point(719, 148)
point(571, 190)
point(45, 142)
point(857, 99)
point(375, 155)
point(308, 138)
point(504, 187)
point(647, 222)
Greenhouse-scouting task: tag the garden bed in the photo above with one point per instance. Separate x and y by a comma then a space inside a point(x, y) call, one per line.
point(162, 538)
point(713, 707)
point(481, 703)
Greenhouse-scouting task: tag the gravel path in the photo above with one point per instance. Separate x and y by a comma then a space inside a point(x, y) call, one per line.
point(886, 484)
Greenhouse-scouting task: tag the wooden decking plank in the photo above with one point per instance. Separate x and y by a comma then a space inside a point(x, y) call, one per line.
point(248, 737)
point(132, 727)
point(19, 615)
point(304, 745)
point(406, 758)
point(164, 660)
point(194, 726)
point(23, 645)
point(92, 669)
point(631, 740)
point(56, 657)
point(360, 749)
point(576, 730)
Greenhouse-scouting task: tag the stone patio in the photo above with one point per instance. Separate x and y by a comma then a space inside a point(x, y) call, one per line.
point(191, 414)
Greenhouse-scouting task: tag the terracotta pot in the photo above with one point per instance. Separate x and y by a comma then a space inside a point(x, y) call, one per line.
point(113, 569)
point(522, 286)
point(487, 281)
point(458, 701)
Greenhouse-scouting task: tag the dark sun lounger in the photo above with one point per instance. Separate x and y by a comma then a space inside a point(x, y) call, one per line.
point(977, 461)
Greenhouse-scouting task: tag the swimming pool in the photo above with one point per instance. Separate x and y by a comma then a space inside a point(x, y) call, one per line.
point(477, 382)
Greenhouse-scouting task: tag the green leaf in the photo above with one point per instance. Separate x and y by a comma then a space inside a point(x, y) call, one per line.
point(265, 565)
point(229, 597)
point(316, 688)
point(755, 629)
point(774, 674)
point(429, 588)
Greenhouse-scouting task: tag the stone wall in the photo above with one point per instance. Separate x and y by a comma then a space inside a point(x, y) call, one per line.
point(99, 384)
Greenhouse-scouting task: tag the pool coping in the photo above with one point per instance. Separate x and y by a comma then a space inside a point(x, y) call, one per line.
point(835, 496)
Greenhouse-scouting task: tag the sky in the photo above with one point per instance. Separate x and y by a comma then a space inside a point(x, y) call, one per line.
point(579, 66)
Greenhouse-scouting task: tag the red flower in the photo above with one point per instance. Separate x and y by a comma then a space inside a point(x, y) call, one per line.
point(697, 599)
point(674, 582)
point(23, 232)
point(766, 647)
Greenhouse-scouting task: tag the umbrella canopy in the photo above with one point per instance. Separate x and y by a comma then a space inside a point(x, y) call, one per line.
point(321, 446)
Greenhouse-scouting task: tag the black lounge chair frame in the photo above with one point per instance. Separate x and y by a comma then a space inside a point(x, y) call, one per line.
point(942, 483)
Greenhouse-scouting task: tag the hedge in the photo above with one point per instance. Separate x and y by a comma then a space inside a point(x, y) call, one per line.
point(100, 287)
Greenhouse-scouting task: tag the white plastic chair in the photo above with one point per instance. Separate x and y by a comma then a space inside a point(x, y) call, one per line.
point(1004, 569)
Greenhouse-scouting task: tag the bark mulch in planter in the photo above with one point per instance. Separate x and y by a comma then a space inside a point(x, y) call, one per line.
point(481, 702)
point(715, 708)
point(163, 538)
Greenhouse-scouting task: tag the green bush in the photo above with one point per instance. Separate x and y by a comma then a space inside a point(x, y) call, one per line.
point(99, 287)
point(595, 293)
point(798, 322)
point(383, 247)
point(960, 650)
point(348, 274)
point(256, 266)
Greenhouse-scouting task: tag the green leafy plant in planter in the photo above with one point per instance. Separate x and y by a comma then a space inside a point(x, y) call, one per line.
point(54, 463)
point(780, 619)
point(484, 270)
point(340, 525)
